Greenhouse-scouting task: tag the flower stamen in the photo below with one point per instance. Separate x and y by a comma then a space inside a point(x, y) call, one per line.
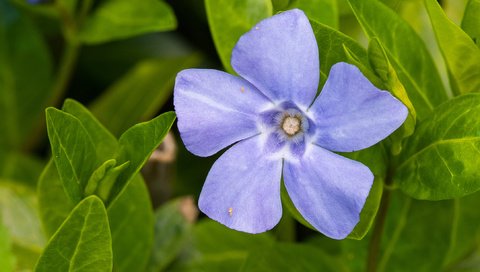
point(291, 125)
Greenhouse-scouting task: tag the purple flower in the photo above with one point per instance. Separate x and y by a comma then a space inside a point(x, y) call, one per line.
point(278, 128)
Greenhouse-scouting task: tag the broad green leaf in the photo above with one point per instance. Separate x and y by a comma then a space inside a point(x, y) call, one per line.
point(82, 243)
point(330, 48)
point(215, 247)
point(416, 231)
point(137, 144)
point(130, 217)
point(7, 260)
point(459, 51)
point(230, 19)
point(25, 74)
point(53, 201)
point(140, 93)
point(172, 231)
point(73, 151)
point(131, 223)
point(470, 22)
point(106, 144)
point(290, 257)
point(382, 67)
point(407, 53)
point(440, 162)
point(120, 19)
point(322, 11)
point(18, 212)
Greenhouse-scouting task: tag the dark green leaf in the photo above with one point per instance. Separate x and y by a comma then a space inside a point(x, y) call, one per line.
point(172, 230)
point(322, 11)
point(73, 151)
point(230, 19)
point(459, 51)
point(470, 22)
point(406, 51)
point(138, 143)
point(119, 19)
point(440, 162)
point(25, 73)
point(290, 257)
point(20, 168)
point(83, 241)
point(140, 93)
point(131, 222)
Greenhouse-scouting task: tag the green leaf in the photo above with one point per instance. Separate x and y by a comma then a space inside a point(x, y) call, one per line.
point(470, 22)
point(130, 217)
point(83, 241)
point(322, 11)
point(225, 254)
point(459, 51)
point(172, 230)
point(408, 54)
point(416, 231)
point(131, 223)
point(25, 75)
point(230, 19)
point(440, 161)
point(290, 257)
point(20, 168)
point(152, 80)
point(119, 19)
point(73, 151)
point(106, 144)
point(138, 143)
point(330, 48)
point(382, 67)
point(7, 260)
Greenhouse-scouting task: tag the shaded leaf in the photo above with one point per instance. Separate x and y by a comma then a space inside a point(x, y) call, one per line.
point(440, 161)
point(230, 19)
point(407, 52)
point(119, 19)
point(83, 241)
point(140, 93)
point(290, 257)
point(20, 168)
point(23, 55)
point(322, 11)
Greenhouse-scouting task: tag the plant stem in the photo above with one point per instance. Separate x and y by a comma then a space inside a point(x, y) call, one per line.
point(375, 242)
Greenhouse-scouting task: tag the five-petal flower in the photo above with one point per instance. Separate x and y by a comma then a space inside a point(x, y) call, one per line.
point(277, 127)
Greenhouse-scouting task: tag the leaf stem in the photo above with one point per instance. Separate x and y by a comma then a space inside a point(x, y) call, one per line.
point(375, 242)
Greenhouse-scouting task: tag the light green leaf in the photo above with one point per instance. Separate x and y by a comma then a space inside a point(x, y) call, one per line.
point(230, 19)
point(140, 93)
point(7, 260)
point(73, 151)
point(290, 257)
point(440, 162)
point(23, 55)
point(172, 230)
point(119, 19)
point(137, 144)
point(131, 222)
point(459, 51)
point(82, 243)
point(470, 22)
point(106, 144)
point(382, 67)
point(322, 11)
point(408, 54)
point(98, 176)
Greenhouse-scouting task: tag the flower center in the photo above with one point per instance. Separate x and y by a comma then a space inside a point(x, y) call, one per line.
point(291, 125)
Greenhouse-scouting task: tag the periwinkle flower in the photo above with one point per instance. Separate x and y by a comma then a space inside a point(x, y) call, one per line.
point(277, 127)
